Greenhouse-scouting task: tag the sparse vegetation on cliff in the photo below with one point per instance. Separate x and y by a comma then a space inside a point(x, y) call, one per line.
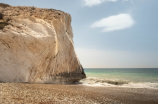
point(4, 5)
point(23, 11)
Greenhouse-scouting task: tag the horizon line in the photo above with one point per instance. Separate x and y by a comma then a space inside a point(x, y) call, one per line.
point(113, 68)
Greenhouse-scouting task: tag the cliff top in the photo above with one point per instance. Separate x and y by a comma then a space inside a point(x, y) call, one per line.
point(7, 11)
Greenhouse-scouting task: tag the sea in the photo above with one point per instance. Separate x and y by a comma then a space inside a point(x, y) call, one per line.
point(122, 77)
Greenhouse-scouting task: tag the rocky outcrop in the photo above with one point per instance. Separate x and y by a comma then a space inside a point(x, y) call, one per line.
point(36, 46)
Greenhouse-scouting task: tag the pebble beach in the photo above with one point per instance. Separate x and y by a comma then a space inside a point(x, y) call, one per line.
point(23, 93)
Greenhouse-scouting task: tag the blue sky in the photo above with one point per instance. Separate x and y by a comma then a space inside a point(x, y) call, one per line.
point(110, 33)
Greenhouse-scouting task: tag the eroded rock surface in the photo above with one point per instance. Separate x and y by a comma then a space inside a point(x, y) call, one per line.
point(36, 46)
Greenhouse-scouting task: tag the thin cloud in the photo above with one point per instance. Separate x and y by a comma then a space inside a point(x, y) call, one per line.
point(113, 23)
point(127, 1)
point(95, 2)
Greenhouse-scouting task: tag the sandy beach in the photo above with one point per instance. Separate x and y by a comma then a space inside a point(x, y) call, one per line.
point(22, 93)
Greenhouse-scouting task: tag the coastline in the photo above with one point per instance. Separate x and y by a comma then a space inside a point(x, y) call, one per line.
point(22, 93)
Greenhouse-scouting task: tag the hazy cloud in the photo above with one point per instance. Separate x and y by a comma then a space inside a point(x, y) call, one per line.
point(95, 2)
point(116, 22)
point(96, 58)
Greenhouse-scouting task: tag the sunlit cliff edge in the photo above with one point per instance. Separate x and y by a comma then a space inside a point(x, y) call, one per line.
point(36, 46)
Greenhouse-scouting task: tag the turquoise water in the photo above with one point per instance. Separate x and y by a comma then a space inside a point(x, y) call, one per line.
point(129, 77)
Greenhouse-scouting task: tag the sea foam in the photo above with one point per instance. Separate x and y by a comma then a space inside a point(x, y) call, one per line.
point(93, 81)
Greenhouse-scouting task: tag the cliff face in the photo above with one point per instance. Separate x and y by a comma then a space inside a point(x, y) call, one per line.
point(36, 46)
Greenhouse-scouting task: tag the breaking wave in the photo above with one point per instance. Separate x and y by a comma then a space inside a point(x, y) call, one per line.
point(93, 81)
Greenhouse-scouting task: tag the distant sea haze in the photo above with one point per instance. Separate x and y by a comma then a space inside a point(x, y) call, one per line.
point(122, 77)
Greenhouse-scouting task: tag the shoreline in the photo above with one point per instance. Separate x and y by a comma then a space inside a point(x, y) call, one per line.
point(22, 93)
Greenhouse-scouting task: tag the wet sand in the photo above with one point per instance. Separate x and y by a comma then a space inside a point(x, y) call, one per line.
point(22, 93)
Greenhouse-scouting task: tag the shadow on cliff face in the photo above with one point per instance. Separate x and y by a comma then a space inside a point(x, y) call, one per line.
point(1, 81)
point(68, 78)
point(72, 77)
point(3, 23)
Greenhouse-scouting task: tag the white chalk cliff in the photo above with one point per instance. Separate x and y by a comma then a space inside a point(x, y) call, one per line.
point(36, 46)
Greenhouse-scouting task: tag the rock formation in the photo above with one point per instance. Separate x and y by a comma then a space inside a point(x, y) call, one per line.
point(36, 46)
